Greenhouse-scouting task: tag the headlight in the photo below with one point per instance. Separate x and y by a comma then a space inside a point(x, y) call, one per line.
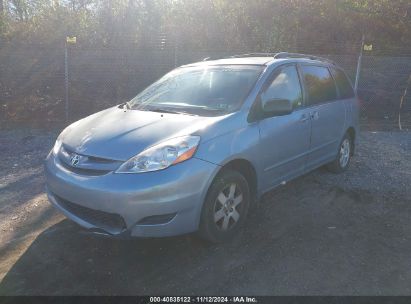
point(162, 155)
point(57, 146)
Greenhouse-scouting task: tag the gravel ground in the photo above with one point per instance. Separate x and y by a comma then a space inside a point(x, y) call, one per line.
point(321, 234)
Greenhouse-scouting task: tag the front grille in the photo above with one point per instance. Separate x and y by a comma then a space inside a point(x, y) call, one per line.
point(111, 222)
point(81, 171)
point(86, 164)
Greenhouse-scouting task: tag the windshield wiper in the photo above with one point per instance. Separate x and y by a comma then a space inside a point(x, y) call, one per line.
point(162, 110)
point(125, 105)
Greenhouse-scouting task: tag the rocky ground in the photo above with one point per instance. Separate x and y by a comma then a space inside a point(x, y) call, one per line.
point(322, 234)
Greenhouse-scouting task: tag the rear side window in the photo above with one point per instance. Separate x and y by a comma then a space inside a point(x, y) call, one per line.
point(344, 86)
point(319, 84)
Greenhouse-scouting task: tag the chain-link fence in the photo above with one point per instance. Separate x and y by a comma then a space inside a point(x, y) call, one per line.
point(32, 80)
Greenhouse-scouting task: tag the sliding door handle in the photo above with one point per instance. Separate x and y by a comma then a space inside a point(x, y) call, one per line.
point(315, 115)
point(304, 118)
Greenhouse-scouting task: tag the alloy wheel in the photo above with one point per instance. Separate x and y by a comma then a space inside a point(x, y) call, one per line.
point(345, 151)
point(227, 209)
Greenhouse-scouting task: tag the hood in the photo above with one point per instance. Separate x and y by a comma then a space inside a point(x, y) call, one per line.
point(120, 134)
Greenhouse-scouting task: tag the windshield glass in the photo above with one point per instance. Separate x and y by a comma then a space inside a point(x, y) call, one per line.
point(206, 90)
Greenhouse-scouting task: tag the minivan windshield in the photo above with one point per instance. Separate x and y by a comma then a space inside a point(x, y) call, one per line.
point(202, 90)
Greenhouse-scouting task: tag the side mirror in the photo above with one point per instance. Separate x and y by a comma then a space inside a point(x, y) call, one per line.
point(277, 107)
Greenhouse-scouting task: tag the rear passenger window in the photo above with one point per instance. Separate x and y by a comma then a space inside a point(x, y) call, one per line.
point(319, 84)
point(344, 86)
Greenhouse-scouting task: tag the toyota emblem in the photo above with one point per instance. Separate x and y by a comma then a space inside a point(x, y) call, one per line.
point(75, 159)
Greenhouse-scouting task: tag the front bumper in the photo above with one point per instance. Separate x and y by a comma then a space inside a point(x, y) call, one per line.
point(152, 204)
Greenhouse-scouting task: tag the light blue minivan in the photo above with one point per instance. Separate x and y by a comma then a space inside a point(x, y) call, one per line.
point(197, 149)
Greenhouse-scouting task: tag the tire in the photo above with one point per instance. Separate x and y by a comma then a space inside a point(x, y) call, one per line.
point(225, 208)
point(342, 161)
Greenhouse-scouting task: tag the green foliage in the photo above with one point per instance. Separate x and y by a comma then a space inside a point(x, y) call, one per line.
point(258, 25)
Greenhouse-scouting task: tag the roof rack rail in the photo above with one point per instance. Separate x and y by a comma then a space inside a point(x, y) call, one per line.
point(253, 55)
point(298, 55)
point(280, 55)
point(211, 58)
point(241, 56)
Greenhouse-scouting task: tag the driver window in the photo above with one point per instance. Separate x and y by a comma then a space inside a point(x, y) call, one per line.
point(285, 85)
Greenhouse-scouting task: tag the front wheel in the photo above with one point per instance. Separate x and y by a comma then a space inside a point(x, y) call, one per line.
point(342, 161)
point(225, 208)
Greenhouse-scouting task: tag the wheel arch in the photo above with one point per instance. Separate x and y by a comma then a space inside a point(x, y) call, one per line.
point(247, 169)
point(351, 132)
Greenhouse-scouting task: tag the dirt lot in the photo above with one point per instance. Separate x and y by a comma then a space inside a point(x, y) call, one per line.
point(321, 234)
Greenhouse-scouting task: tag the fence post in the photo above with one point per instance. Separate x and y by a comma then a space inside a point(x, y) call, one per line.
point(176, 50)
point(357, 75)
point(66, 82)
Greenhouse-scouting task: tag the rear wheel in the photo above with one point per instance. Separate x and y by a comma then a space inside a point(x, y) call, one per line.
point(342, 161)
point(225, 208)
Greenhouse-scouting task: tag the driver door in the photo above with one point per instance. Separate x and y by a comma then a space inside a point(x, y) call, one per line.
point(284, 140)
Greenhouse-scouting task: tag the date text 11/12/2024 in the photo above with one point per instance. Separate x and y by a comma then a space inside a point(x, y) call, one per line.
point(205, 299)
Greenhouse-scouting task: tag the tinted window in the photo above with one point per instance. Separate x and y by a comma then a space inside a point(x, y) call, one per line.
point(285, 85)
point(344, 86)
point(319, 84)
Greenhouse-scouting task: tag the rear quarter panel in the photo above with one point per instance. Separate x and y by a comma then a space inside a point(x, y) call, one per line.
point(353, 116)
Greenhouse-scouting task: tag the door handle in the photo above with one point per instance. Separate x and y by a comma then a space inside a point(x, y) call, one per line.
point(315, 115)
point(304, 118)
